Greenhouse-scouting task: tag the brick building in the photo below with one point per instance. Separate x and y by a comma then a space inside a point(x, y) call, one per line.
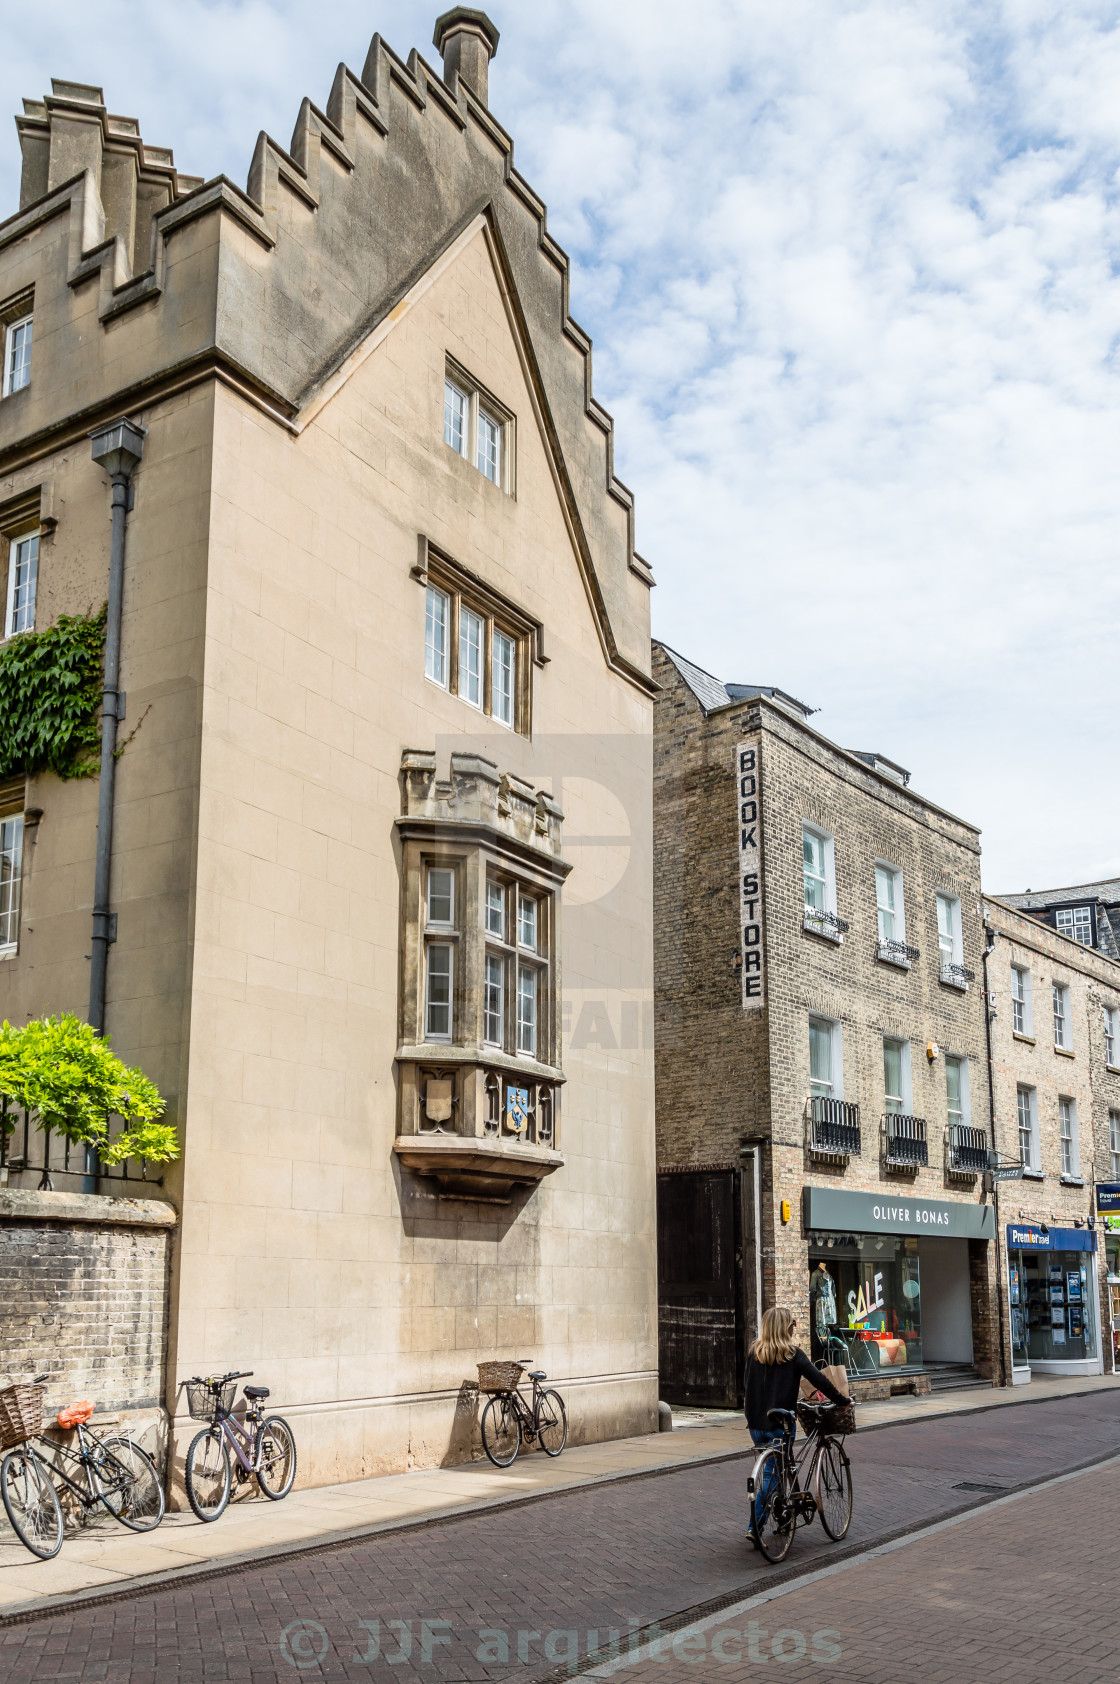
point(822, 1093)
point(1055, 1040)
point(384, 626)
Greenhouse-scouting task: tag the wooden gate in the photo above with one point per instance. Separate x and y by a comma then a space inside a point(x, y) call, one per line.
point(700, 1287)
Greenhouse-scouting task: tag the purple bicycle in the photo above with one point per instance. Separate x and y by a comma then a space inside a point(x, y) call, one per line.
point(264, 1447)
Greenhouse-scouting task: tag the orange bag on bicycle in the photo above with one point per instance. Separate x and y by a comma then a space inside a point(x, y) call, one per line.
point(75, 1414)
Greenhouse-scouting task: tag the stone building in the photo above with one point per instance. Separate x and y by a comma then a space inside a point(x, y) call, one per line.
point(1088, 912)
point(1055, 1035)
point(822, 1094)
point(382, 857)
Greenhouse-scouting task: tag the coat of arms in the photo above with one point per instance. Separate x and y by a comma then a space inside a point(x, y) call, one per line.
point(517, 1109)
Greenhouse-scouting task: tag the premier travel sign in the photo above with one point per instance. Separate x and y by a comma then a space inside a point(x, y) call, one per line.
point(749, 773)
point(868, 1213)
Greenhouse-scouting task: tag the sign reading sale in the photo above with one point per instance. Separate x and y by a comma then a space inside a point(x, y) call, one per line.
point(749, 773)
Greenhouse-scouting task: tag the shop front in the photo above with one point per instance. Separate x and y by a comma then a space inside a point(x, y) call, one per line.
point(1052, 1300)
point(889, 1281)
point(1108, 1213)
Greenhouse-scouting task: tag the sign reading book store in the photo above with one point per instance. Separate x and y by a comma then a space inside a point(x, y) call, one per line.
point(749, 774)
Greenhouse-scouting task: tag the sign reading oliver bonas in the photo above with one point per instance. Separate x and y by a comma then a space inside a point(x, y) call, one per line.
point(749, 774)
point(860, 1213)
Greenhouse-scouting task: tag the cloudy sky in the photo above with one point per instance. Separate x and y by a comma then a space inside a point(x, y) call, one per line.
point(852, 274)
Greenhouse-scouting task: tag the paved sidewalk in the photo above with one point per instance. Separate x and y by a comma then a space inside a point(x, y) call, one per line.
point(105, 1558)
point(500, 1596)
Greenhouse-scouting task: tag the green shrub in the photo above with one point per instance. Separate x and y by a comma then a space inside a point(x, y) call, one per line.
point(50, 698)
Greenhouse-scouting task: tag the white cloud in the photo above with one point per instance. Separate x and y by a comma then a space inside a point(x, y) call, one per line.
point(851, 269)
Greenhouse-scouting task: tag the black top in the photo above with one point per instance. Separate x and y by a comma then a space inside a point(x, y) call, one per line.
point(774, 1385)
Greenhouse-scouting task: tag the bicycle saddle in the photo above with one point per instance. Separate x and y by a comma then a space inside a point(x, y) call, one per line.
point(783, 1415)
point(75, 1414)
point(255, 1392)
point(537, 1374)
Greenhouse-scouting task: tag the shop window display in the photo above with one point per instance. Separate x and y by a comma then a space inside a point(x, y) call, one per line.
point(865, 1302)
point(1048, 1292)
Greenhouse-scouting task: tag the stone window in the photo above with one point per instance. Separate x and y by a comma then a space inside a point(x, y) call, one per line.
point(11, 869)
point(1067, 1133)
point(479, 1038)
point(478, 645)
point(16, 325)
point(1063, 1027)
point(1075, 922)
point(1022, 1018)
point(1111, 1035)
point(23, 574)
point(478, 427)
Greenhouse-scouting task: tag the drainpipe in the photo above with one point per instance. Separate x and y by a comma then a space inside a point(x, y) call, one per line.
point(991, 935)
point(118, 447)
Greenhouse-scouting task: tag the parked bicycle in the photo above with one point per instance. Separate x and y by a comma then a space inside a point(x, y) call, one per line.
point(786, 1489)
point(110, 1475)
point(264, 1446)
point(509, 1417)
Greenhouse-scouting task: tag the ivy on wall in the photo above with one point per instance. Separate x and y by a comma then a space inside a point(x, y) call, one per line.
point(50, 698)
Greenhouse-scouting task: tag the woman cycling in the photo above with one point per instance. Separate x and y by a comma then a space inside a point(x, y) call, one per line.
point(775, 1367)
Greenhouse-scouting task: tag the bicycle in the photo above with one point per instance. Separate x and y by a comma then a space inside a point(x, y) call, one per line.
point(508, 1417)
point(780, 1498)
point(120, 1478)
point(268, 1450)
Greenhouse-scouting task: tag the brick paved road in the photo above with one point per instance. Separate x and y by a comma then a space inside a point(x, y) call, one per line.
point(616, 1558)
point(1026, 1591)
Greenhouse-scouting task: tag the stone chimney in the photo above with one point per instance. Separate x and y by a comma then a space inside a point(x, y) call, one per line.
point(467, 41)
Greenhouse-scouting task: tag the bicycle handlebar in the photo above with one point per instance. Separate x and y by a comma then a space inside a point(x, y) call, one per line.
point(217, 1379)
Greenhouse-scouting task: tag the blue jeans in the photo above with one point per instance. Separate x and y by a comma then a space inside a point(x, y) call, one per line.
point(762, 1438)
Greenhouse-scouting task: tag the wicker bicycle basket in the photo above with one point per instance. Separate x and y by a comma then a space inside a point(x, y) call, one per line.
point(21, 1415)
point(203, 1403)
point(838, 1420)
point(498, 1376)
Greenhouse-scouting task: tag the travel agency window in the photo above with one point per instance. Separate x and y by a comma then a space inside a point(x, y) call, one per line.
point(1108, 1213)
point(1051, 1289)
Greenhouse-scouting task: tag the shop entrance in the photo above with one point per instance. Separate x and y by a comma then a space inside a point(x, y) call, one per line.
point(1051, 1292)
point(883, 1302)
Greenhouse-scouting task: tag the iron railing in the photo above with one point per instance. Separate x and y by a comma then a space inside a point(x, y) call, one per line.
point(968, 1149)
point(897, 953)
point(825, 923)
point(957, 976)
point(834, 1128)
point(35, 1157)
point(905, 1144)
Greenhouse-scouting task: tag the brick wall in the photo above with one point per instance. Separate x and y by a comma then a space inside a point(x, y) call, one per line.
point(85, 1300)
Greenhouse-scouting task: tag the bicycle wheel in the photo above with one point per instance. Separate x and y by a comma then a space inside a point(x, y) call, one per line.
point(140, 1506)
point(552, 1423)
point(208, 1474)
point(834, 1489)
point(772, 1513)
point(276, 1470)
point(501, 1430)
point(31, 1502)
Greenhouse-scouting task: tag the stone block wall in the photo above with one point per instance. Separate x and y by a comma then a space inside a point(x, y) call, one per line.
point(83, 1297)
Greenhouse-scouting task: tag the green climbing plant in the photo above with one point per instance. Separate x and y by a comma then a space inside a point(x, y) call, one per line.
point(50, 698)
point(70, 1081)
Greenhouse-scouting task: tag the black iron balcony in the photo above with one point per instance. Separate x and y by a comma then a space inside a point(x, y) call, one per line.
point(897, 953)
point(968, 1150)
point(825, 924)
point(957, 976)
point(904, 1138)
point(834, 1130)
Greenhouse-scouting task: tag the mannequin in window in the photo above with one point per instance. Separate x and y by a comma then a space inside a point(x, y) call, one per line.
point(822, 1306)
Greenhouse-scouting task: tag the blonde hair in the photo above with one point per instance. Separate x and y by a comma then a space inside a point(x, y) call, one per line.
point(775, 1342)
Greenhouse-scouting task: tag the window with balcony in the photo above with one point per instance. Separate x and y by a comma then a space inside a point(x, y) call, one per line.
point(478, 427)
point(1063, 1025)
point(834, 1124)
point(1026, 1101)
point(896, 1075)
point(819, 874)
point(1111, 1036)
point(891, 914)
point(957, 1095)
point(1022, 1017)
point(1067, 1135)
point(950, 943)
point(23, 574)
point(1075, 922)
